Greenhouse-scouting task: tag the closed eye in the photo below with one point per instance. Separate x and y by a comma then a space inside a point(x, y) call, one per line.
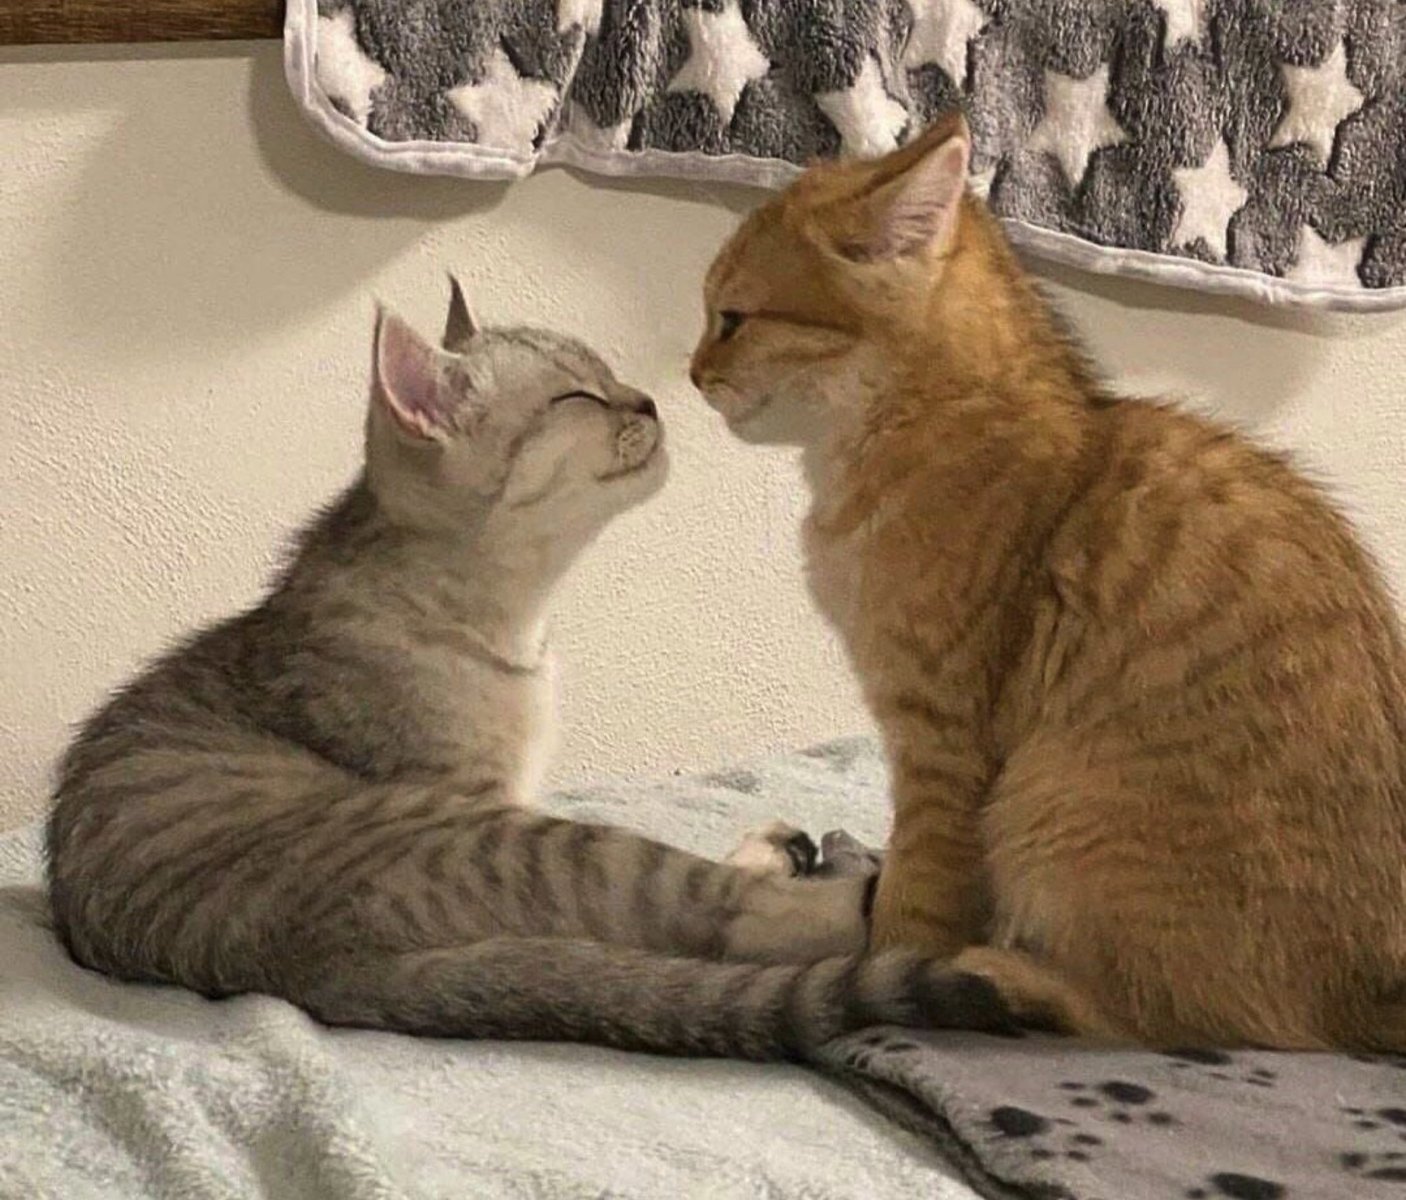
point(730, 321)
point(601, 400)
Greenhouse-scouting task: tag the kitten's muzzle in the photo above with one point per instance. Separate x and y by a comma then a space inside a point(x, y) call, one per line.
point(631, 402)
point(639, 439)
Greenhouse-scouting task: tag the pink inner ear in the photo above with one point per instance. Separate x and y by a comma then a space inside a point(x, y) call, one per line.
point(946, 170)
point(919, 207)
point(409, 379)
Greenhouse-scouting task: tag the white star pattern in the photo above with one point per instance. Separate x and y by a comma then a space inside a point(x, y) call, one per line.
point(600, 138)
point(1183, 21)
point(941, 32)
point(866, 117)
point(344, 72)
point(1076, 121)
point(1319, 261)
point(506, 108)
point(1320, 99)
point(585, 13)
point(1209, 198)
point(723, 57)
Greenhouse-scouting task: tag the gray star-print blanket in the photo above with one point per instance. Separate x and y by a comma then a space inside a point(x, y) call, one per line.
point(1255, 147)
point(122, 1091)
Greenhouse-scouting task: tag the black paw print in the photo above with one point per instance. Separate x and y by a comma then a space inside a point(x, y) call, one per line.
point(1235, 1186)
point(874, 1045)
point(1118, 1101)
point(1382, 1165)
point(1389, 1167)
point(1261, 1077)
point(1371, 1120)
point(1021, 1123)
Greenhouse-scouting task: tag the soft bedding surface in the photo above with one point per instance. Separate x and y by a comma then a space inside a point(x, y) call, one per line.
point(120, 1091)
point(117, 1092)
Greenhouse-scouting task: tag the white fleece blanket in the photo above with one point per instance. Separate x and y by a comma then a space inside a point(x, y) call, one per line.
point(116, 1092)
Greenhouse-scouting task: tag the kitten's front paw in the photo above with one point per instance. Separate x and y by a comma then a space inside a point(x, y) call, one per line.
point(776, 849)
point(841, 854)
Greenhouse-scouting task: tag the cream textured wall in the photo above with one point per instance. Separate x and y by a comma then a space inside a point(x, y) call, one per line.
point(186, 283)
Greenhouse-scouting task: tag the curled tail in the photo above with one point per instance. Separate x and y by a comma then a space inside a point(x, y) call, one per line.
point(567, 990)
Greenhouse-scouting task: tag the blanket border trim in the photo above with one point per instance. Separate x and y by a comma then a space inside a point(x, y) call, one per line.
point(911, 1114)
point(469, 161)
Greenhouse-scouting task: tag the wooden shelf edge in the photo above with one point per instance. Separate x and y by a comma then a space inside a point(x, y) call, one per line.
point(93, 22)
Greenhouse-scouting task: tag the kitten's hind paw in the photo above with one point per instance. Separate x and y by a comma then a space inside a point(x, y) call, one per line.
point(776, 849)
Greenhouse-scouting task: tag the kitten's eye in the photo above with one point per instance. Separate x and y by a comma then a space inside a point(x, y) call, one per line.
point(730, 321)
point(601, 400)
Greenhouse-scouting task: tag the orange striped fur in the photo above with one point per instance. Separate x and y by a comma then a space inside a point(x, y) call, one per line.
point(1143, 693)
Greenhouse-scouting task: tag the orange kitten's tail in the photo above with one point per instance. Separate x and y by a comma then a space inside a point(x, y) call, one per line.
point(1039, 996)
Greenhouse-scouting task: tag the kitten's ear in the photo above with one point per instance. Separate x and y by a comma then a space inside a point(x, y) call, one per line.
point(913, 199)
point(460, 326)
point(409, 385)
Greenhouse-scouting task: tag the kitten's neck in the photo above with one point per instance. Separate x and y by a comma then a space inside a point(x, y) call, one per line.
point(495, 598)
point(981, 382)
point(987, 330)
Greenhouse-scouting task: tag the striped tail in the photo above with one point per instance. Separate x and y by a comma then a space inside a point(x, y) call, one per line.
point(550, 989)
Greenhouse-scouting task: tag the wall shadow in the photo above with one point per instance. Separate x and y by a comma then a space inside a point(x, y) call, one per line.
point(1145, 296)
point(1245, 362)
point(179, 236)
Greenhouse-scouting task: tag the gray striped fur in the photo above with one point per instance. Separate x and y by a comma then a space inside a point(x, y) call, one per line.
point(325, 798)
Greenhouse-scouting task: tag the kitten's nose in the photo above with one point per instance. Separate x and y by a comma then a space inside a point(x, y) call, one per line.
point(646, 407)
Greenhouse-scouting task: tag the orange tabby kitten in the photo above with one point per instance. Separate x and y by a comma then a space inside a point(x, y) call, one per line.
point(1142, 692)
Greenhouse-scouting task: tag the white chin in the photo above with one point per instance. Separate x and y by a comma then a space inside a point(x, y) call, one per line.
point(643, 481)
point(777, 422)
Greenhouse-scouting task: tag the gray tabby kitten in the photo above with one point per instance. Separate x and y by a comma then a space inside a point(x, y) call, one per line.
point(324, 798)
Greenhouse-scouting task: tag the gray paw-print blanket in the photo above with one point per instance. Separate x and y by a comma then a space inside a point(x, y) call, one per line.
point(1043, 1117)
point(127, 1092)
point(1039, 1117)
point(1255, 147)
